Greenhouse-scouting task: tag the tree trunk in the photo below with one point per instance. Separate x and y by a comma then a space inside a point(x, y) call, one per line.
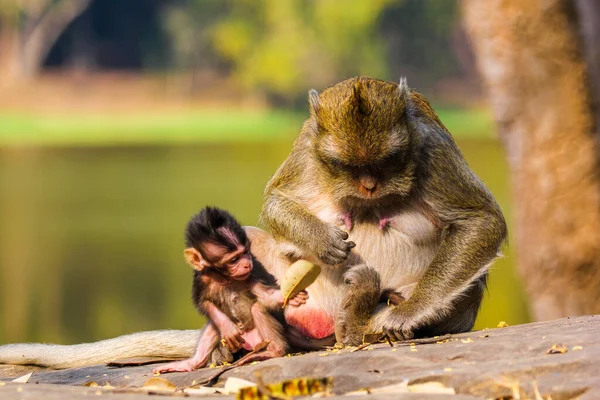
point(589, 14)
point(40, 31)
point(26, 40)
point(529, 57)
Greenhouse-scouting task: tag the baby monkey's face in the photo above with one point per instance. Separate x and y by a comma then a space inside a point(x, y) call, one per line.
point(235, 262)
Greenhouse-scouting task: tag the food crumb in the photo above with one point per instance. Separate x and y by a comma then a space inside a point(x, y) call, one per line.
point(502, 324)
point(557, 349)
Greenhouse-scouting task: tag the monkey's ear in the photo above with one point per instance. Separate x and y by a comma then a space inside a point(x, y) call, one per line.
point(404, 90)
point(194, 259)
point(313, 101)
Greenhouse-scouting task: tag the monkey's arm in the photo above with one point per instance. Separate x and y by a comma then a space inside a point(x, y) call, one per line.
point(227, 329)
point(272, 298)
point(291, 221)
point(208, 341)
point(474, 232)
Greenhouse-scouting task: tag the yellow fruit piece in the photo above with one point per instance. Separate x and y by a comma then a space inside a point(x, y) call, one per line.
point(299, 276)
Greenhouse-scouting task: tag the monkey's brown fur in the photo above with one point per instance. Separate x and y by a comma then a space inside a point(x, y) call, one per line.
point(439, 221)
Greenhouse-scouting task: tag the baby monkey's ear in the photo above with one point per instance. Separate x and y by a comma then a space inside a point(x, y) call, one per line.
point(195, 259)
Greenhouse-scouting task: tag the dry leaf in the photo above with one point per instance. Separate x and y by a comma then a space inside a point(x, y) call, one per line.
point(574, 348)
point(91, 384)
point(234, 385)
point(23, 379)
point(299, 276)
point(467, 340)
point(288, 388)
point(159, 384)
point(431, 387)
point(557, 349)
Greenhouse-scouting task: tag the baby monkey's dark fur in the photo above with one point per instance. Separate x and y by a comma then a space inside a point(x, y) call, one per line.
point(232, 290)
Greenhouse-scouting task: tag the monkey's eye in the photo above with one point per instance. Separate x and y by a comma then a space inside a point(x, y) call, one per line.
point(234, 259)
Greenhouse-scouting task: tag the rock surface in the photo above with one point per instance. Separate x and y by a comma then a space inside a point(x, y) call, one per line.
point(511, 362)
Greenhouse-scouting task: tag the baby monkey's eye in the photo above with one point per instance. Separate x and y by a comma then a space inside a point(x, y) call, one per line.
point(234, 259)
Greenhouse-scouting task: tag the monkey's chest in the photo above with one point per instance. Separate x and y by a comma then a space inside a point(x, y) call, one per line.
point(399, 246)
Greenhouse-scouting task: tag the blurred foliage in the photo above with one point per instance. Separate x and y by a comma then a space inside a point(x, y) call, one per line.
point(283, 47)
point(279, 48)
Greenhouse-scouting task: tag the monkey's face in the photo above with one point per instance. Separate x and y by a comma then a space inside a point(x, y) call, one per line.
point(361, 174)
point(233, 263)
point(361, 140)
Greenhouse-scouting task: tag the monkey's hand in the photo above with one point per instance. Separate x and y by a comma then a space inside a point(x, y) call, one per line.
point(231, 335)
point(300, 298)
point(332, 247)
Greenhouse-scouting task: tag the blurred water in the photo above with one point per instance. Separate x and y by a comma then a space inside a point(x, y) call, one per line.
point(91, 238)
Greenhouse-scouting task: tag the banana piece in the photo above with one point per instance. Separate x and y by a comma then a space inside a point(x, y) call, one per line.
point(299, 276)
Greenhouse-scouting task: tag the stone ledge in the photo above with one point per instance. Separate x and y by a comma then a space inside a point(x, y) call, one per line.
point(492, 363)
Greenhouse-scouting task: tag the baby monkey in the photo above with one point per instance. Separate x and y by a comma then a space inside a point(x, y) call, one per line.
point(234, 291)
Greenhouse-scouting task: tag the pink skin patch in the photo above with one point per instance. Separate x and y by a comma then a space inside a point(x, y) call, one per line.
point(384, 223)
point(252, 339)
point(314, 323)
point(347, 220)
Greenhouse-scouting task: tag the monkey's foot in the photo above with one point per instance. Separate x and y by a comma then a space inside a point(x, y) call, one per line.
point(260, 356)
point(188, 365)
point(396, 324)
point(351, 339)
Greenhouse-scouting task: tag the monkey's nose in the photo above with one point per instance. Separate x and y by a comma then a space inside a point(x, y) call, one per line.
point(368, 183)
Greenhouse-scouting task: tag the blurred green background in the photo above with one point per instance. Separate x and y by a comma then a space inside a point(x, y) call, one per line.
point(130, 116)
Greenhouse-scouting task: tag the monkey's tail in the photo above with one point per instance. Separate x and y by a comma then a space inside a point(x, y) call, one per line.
point(164, 343)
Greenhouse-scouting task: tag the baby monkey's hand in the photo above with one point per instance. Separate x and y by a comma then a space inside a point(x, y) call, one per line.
point(300, 298)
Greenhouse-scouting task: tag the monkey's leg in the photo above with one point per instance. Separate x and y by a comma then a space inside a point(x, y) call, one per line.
point(363, 290)
point(268, 329)
point(459, 316)
point(209, 340)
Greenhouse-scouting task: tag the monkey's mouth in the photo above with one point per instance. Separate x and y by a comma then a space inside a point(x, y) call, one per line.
point(243, 277)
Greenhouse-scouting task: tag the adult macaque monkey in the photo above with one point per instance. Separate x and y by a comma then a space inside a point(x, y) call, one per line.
point(373, 168)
